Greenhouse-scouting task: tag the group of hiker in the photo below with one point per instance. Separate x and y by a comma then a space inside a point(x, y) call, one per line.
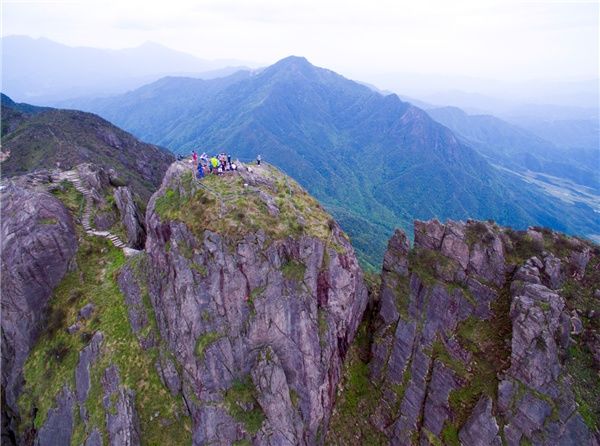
point(217, 164)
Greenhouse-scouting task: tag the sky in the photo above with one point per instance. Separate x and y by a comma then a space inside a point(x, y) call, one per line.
point(492, 39)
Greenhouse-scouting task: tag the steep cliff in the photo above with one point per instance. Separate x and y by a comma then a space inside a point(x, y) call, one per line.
point(38, 242)
point(231, 327)
point(54, 268)
point(247, 320)
point(482, 336)
point(257, 295)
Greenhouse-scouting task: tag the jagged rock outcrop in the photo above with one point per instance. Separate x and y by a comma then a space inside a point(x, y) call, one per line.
point(38, 243)
point(257, 307)
point(131, 217)
point(474, 339)
point(122, 421)
point(58, 428)
point(237, 323)
point(87, 357)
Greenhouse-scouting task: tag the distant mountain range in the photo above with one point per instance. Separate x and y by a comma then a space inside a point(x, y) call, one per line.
point(47, 72)
point(519, 149)
point(375, 161)
point(44, 138)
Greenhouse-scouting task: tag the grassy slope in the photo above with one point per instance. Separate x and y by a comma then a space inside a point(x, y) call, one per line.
point(52, 362)
point(40, 140)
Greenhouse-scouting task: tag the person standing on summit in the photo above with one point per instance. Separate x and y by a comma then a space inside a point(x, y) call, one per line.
point(258, 160)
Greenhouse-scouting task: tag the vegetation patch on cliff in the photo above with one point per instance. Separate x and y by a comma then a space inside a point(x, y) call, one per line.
point(71, 197)
point(240, 401)
point(226, 205)
point(204, 341)
point(53, 360)
point(357, 398)
point(489, 342)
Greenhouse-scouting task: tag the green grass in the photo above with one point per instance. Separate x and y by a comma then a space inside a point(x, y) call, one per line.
point(240, 401)
point(294, 398)
point(233, 210)
point(71, 198)
point(450, 435)
point(293, 270)
point(586, 384)
point(201, 269)
point(53, 359)
point(47, 221)
point(358, 400)
point(204, 341)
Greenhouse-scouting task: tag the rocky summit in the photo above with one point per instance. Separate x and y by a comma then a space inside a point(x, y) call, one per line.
point(233, 311)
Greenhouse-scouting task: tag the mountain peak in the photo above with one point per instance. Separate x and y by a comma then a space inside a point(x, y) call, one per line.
point(296, 63)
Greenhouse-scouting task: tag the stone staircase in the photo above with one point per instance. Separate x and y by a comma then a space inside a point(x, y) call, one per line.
point(73, 177)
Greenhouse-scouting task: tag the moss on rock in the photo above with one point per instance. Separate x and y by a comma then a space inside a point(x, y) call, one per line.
point(53, 360)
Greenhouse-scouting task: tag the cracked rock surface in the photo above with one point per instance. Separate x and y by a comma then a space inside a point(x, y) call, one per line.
point(474, 338)
point(38, 242)
point(258, 325)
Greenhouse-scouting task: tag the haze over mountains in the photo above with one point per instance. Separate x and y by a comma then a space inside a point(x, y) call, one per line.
point(373, 160)
point(44, 71)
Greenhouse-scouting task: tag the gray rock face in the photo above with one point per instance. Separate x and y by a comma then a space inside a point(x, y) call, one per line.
point(481, 429)
point(38, 242)
point(431, 338)
point(82, 373)
point(130, 217)
point(274, 397)
point(122, 421)
point(138, 317)
point(95, 179)
point(95, 439)
point(276, 313)
point(58, 427)
point(537, 403)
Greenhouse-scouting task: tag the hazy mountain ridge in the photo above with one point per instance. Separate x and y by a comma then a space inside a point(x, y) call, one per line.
point(46, 138)
point(376, 157)
point(519, 149)
point(43, 71)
